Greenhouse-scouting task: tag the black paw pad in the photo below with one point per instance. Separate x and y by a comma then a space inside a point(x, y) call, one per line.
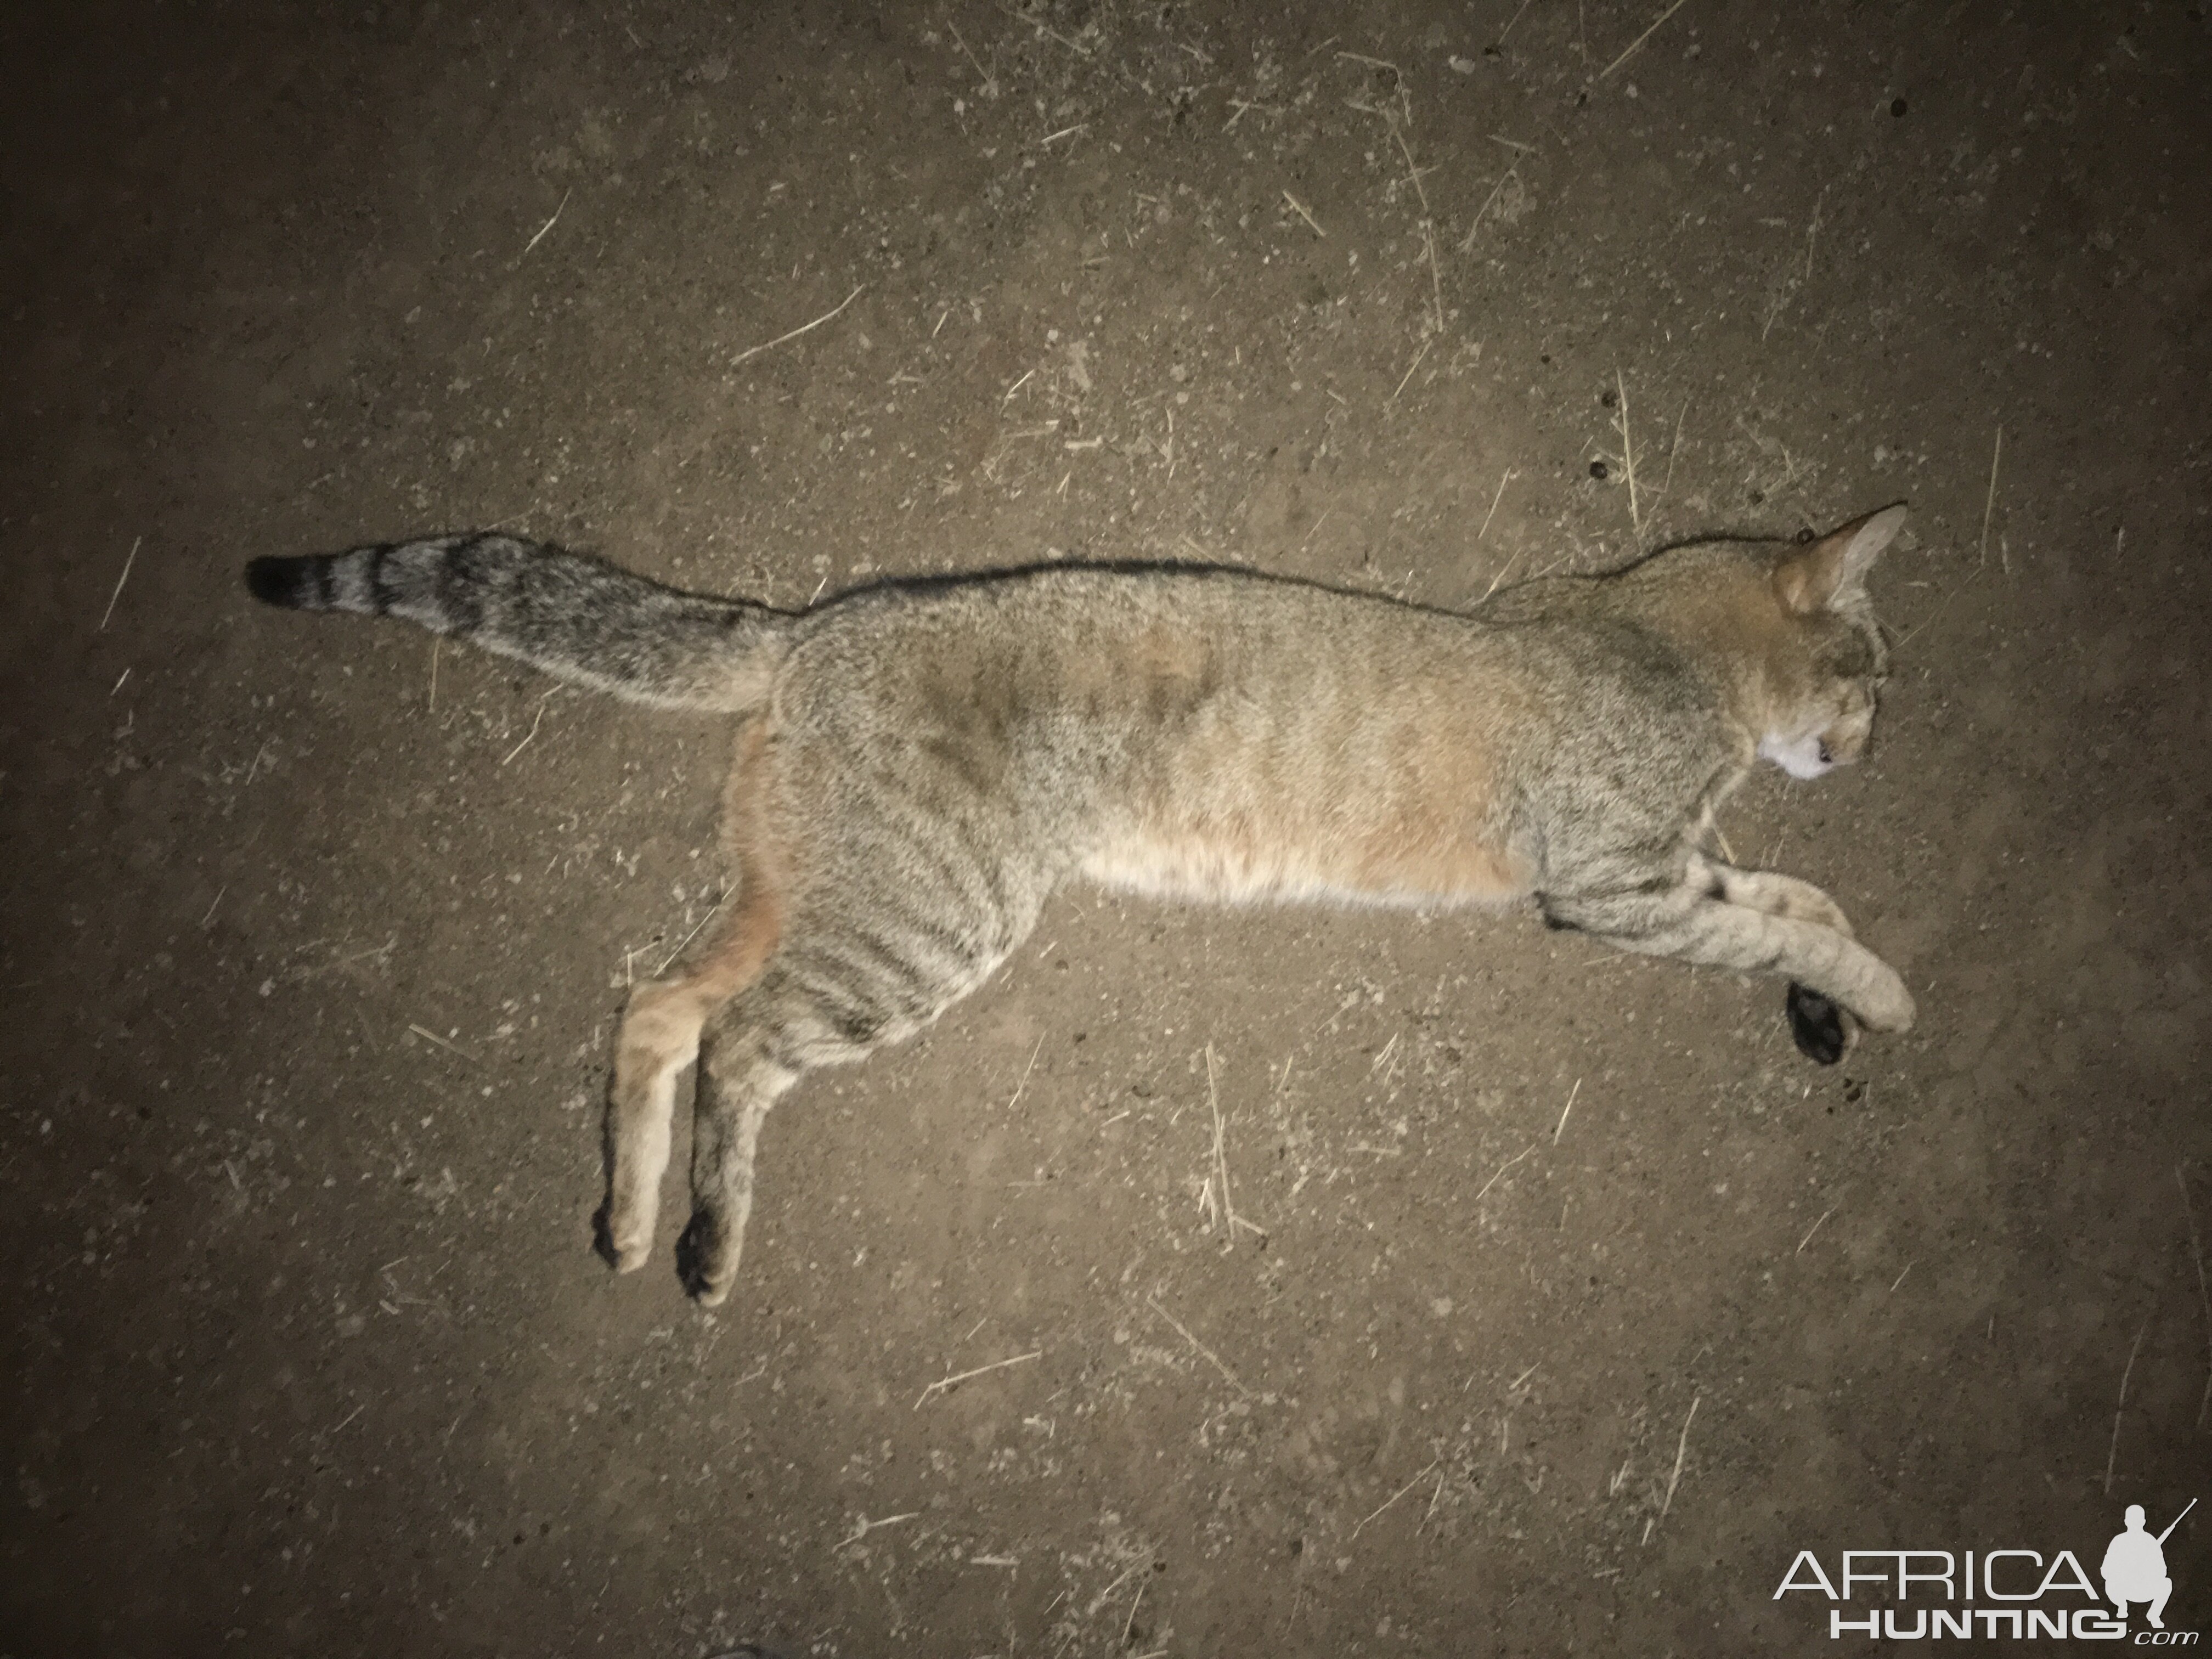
point(693, 1250)
point(1816, 1024)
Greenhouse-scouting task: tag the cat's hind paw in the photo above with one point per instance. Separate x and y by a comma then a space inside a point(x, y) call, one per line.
point(625, 1256)
point(703, 1263)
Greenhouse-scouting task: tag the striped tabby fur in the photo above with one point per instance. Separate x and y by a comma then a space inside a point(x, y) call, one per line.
point(920, 763)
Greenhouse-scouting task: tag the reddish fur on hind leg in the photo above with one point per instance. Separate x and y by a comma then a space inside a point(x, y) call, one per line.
point(660, 1028)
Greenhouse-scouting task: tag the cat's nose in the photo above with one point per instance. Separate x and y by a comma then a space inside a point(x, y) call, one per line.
point(1826, 758)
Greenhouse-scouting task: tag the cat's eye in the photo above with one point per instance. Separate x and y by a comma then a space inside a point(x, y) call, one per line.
point(1827, 759)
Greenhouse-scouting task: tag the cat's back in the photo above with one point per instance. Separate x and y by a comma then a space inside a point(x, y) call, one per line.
point(1125, 647)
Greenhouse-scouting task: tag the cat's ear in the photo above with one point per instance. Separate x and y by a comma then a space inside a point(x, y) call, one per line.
point(1814, 577)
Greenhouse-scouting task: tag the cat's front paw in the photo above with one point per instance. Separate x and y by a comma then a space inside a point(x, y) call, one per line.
point(1887, 1005)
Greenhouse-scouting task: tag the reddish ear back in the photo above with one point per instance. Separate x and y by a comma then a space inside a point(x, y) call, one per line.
point(1812, 578)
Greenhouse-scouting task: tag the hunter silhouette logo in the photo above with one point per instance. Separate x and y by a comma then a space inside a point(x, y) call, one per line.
point(2135, 1565)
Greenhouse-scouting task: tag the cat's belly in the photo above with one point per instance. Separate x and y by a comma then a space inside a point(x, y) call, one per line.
point(1229, 868)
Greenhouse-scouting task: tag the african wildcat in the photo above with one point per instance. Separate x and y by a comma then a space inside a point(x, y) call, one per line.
point(919, 763)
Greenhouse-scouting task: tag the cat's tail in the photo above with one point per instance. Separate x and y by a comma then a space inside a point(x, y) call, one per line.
point(575, 616)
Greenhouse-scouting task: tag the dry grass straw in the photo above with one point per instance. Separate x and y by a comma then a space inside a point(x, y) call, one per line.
point(945, 1382)
point(1215, 1359)
point(1814, 1228)
point(868, 1526)
point(547, 226)
point(989, 88)
point(2204, 1293)
point(1400, 1494)
point(1628, 457)
point(1388, 1061)
point(450, 1046)
point(803, 328)
point(129, 559)
point(1300, 209)
point(1397, 120)
point(1499, 1173)
point(1504, 571)
point(1928, 621)
point(1503, 478)
point(1636, 46)
point(1409, 375)
point(1428, 238)
point(1990, 506)
point(1682, 1445)
point(1667, 487)
point(2113, 1450)
point(530, 735)
point(1143, 1559)
point(1014, 1098)
point(1790, 286)
point(1468, 241)
point(669, 961)
point(1220, 1148)
point(1560, 1130)
point(1045, 29)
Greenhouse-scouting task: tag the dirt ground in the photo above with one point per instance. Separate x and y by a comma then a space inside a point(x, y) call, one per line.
point(1575, 1302)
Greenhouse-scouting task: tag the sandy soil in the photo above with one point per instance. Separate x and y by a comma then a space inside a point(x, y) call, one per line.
point(315, 941)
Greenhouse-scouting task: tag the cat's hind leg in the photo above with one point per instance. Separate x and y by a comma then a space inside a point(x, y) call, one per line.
point(739, 1081)
point(662, 1025)
point(866, 961)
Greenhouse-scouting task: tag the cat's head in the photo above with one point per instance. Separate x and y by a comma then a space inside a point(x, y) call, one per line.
point(1822, 685)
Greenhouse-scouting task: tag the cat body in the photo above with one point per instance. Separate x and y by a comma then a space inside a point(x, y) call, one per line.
point(920, 764)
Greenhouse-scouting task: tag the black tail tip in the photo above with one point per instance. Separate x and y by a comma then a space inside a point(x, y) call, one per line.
point(277, 580)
